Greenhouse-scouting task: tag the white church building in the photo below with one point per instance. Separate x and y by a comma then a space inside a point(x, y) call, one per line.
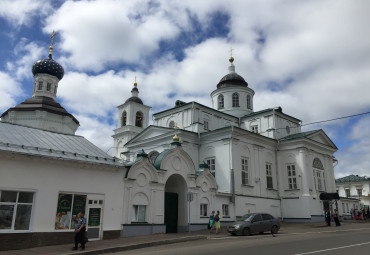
point(163, 178)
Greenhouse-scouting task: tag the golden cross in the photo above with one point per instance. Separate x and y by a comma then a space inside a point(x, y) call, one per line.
point(52, 37)
point(231, 52)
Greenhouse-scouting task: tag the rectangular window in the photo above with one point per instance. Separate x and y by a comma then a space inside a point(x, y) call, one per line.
point(205, 124)
point(348, 193)
point(319, 180)
point(40, 85)
point(292, 178)
point(347, 208)
point(359, 192)
point(245, 172)
point(138, 213)
point(15, 210)
point(203, 210)
point(69, 205)
point(225, 210)
point(254, 129)
point(344, 208)
point(269, 176)
point(212, 165)
point(48, 86)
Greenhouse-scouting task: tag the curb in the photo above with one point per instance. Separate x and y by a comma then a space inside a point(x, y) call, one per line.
point(138, 246)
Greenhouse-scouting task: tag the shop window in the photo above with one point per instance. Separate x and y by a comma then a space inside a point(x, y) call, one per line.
point(15, 210)
point(203, 210)
point(69, 205)
point(138, 213)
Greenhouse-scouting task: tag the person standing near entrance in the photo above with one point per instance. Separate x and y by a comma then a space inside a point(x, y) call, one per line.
point(80, 228)
point(336, 218)
point(217, 219)
point(211, 225)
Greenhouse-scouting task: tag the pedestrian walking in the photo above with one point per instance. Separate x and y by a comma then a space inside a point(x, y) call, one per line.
point(211, 225)
point(80, 228)
point(336, 218)
point(217, 219)
point(327, 217)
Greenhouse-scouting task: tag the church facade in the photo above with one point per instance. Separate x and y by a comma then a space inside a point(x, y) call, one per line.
point(162, 178)
point(228, 158)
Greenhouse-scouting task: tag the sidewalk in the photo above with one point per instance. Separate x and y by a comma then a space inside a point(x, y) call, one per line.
point(131, 243)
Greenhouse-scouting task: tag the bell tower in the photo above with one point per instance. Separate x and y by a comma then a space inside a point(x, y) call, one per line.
point(133, 117)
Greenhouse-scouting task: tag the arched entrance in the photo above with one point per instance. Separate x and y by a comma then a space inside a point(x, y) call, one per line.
point(175, 206)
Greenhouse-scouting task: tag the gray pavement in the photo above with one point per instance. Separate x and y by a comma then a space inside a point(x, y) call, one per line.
point(131, 243)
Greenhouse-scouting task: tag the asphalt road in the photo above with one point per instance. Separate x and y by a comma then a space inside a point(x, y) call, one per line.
point(322, 242)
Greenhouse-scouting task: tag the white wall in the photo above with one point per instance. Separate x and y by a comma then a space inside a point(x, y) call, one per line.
point(49, 177)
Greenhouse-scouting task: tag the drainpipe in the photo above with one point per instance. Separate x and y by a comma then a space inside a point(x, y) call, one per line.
point(232, 180)
point(277, 180)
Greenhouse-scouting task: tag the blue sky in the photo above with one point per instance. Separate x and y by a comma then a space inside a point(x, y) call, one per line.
point(312, 58)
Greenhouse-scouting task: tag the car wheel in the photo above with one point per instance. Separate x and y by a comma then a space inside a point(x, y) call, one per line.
point(233, 234)
point(246, 232)
point(274, 229)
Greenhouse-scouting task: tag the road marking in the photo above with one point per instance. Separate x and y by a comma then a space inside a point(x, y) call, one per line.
point(337, 248)
point(320, 232)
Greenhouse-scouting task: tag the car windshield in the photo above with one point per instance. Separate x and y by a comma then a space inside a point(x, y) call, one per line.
point(247, 217)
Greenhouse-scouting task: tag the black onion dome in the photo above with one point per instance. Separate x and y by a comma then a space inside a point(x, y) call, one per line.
point(48, 66)
point(232, 79)
point(134, 99)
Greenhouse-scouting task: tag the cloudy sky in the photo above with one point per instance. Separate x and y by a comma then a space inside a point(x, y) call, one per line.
point(312, 58)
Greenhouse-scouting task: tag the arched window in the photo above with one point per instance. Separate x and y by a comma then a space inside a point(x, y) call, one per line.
point(124, 118)
point(48, 86)
point(318, 175)
point(235, 100)
point(220, 101)
point(249, 106)
point(172, 124)
point(139, 119)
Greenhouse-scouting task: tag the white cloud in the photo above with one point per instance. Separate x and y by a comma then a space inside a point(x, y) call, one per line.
point(21, 12)
point(355, 158)
point(9, 90)
point(25, 54)
point(96, 131)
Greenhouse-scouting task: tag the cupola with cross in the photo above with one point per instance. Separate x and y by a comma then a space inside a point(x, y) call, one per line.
point(41, 110)
point(233, 96)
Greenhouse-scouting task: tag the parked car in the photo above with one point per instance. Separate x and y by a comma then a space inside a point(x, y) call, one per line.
point(254, 223)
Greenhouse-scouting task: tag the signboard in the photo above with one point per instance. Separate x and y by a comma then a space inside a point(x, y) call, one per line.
point(94, 217)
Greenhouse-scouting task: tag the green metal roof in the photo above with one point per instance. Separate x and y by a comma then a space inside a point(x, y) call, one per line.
point(298, 135)
point(352, 178)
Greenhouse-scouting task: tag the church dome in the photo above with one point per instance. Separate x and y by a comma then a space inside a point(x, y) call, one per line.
point(232, 78)
point(134, 99)
point(48, 66)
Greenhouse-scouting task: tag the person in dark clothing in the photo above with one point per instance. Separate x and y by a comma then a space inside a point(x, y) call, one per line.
point(80, 228)
point(336, 218)
point(327, 217)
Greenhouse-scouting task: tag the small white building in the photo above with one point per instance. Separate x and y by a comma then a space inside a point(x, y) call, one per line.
point(48, 174)
point(354, 191)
